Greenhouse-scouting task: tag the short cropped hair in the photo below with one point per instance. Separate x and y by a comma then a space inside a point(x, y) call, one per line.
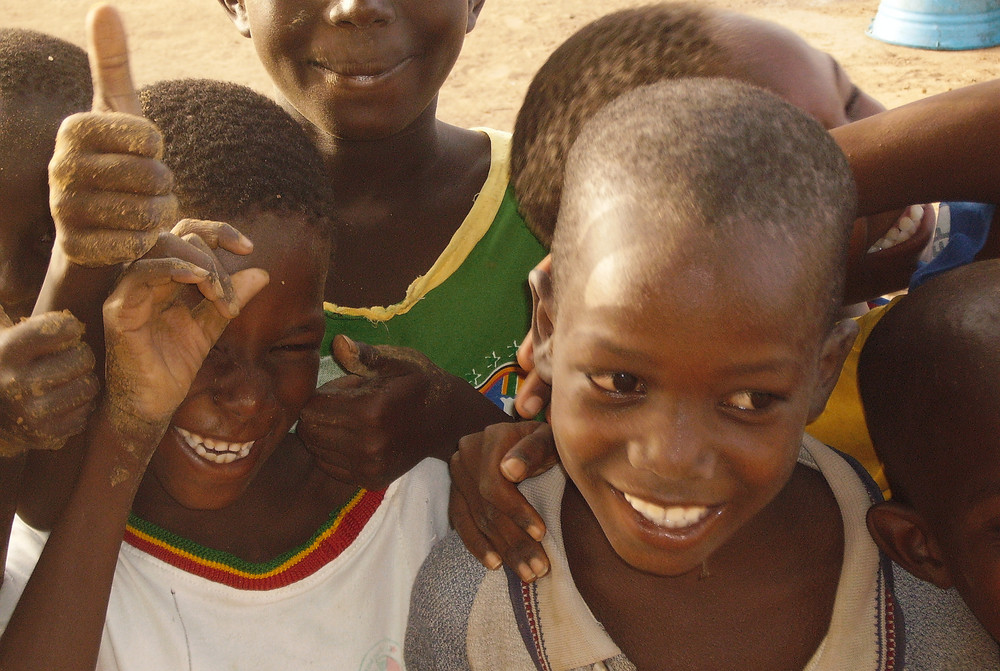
point(930, 371)
point(235, 152)
point(721, 159)
point(604, 59)
point(35, 63)
point(40, 71)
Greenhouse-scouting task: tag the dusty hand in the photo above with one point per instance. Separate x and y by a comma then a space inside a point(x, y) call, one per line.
point(486, 509)
point(393, 409)
point(47, 382)
point(109, 192)
point(159, 331)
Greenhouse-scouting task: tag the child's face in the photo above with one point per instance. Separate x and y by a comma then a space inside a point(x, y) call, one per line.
point(254, 382)
point(681, 387)
point(777, 59)
point(359, 69)
point(26, 228)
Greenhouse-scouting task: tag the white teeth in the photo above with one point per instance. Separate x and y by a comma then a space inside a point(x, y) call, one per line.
point(902, 231)
point(217, 451)
point(674, 517)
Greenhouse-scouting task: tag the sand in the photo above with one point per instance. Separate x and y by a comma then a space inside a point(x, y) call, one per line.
point(194, 38)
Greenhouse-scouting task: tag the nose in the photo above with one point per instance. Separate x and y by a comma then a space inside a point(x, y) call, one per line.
point(673, 441)
point(362, 13)
point(244, 390)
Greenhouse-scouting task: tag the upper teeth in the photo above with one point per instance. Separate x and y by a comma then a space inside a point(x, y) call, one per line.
point(902, 231)
point(674, 517)
point(218, 451)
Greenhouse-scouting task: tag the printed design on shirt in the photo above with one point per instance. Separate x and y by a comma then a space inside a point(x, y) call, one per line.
point(386, 655)
point(499, 378)
point(336, 534)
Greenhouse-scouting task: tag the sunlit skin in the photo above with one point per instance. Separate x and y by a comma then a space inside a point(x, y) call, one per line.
point(359, 69)
point(26, 227)
point(253, 383)
point(710, 416)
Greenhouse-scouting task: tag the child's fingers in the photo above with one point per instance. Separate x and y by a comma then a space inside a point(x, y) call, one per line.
point(533, 394)
point(217, 287)
point(107, 133)
point(108, 54)
point(124, 173)
point(475, 541)
point(246, 284)
point(532, 455)
point(107, 247)
point(40, 336)
point(216, 235)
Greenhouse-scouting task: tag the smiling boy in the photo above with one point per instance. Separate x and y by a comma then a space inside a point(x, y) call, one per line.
point(238, 552)
point(688, 331)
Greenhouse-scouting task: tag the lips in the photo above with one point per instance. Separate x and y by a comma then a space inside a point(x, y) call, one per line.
point(361, 72)
point(214, 450)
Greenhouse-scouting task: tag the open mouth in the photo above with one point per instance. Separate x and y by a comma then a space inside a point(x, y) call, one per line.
point(669, 517)
point(902, 230)
point(216, 451)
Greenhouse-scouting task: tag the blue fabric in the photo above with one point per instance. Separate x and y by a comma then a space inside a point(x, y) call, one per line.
point(970, 224)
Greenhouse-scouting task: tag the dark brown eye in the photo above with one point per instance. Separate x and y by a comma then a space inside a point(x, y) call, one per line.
point(751, 401)
point(619, 383)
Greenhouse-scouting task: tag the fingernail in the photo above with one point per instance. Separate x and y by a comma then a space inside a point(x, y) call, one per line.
point(539, 567)
point(532, 406)
point(527, 575)
point(513, 469)
point(492, 561)
point(536, 532)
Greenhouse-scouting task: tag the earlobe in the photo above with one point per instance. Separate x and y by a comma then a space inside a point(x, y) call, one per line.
point(237, 13)
point(837, 346)
point(475, 7)
point(902, 534)
point(542, 321)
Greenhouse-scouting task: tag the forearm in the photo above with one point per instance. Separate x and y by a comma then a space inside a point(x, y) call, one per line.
point(938, 148)
point(59, 620)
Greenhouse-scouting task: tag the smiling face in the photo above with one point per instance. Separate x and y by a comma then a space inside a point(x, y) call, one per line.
point(256, 379)
point(358, 69)
point(683, 375)
point(26, 227)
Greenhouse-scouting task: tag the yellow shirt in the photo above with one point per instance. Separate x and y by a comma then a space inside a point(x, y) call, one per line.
point(842, 424)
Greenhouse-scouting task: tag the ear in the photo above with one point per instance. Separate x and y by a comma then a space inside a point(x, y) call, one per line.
point(836, 347)
point(902, 534)
point(237, 12)
point(542, 321)
point(475, 7)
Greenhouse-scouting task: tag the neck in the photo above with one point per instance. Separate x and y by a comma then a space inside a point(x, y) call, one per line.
point(376, 166)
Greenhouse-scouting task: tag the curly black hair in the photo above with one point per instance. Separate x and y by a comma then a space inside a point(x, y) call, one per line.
point(233, 152)
point(604, 59)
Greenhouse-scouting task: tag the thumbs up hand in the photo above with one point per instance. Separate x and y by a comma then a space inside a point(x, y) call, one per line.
point(110, 193)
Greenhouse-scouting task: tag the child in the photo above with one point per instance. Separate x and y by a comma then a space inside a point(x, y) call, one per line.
point(432, 241)
point(928, 379)
point(688, 332)
point(239, 552)
point(47, 385)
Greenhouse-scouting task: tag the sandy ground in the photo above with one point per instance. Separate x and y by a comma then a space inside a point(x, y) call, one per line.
point(193, 38)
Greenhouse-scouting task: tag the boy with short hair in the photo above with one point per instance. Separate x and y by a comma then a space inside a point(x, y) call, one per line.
point(238, 552)
point(928, 379)
point(688, 331)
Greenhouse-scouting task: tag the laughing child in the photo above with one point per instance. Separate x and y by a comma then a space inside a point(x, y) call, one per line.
point(238, 552)
point(929, 381)
point(688, 329)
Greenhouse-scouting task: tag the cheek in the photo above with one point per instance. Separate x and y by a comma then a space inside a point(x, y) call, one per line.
point(295, 384)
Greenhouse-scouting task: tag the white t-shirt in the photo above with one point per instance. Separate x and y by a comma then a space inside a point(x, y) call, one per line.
point(348, 610)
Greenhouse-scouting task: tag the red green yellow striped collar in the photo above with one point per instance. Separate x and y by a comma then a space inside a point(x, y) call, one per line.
point(336, 535)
